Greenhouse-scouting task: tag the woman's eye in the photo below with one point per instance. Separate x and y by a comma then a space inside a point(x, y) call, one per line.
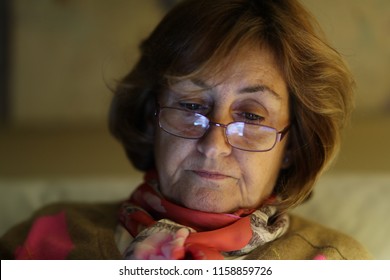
point(250, 117)
point(192, 106)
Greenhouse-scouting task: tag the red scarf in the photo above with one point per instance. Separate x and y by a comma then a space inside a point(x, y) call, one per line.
point(164, 230)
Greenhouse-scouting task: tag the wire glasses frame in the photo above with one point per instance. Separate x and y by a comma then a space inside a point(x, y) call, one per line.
point(240, 135)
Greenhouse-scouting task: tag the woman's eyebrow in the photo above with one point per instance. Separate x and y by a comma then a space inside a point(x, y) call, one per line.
point(249, 89)
point(260, 88)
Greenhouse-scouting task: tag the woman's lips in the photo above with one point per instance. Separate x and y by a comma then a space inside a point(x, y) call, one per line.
point(211, 175)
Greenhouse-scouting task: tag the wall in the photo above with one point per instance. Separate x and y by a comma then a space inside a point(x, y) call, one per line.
point(360, 30)
point(66, 55)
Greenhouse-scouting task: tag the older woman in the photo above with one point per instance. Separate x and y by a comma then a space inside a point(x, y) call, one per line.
point(233, 111)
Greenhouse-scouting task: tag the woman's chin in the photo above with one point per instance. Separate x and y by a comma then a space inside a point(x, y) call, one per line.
point(210, 206)
point(207, 197)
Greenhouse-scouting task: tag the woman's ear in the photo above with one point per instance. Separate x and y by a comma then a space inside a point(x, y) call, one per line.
point(287, 159)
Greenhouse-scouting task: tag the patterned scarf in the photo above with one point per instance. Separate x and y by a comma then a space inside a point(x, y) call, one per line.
point(163, 230)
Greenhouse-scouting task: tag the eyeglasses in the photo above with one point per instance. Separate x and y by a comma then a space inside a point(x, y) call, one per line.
point(240, 135)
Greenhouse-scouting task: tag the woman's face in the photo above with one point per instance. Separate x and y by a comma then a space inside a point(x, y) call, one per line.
point(208, 174)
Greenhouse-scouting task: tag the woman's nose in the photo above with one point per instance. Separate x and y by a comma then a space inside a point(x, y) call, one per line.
point(214, 143)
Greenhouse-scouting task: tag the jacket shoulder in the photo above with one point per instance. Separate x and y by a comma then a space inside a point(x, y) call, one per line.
point(307, 240)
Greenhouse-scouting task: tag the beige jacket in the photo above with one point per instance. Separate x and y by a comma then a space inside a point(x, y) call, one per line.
point(87, 231)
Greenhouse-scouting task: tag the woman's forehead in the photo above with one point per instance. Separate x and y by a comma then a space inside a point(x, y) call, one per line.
point(248, 69)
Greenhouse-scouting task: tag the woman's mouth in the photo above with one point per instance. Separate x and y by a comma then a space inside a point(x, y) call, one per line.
point(211, 175)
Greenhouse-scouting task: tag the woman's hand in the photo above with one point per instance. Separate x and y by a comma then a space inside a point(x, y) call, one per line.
point(162, 246)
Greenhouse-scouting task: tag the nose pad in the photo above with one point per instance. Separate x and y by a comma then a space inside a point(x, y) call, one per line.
point(214, 143)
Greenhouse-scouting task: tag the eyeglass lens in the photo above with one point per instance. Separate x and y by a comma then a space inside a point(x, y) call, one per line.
point(241, 135)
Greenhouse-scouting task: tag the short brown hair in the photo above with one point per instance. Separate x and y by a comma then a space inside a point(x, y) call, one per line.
point(196, 35)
